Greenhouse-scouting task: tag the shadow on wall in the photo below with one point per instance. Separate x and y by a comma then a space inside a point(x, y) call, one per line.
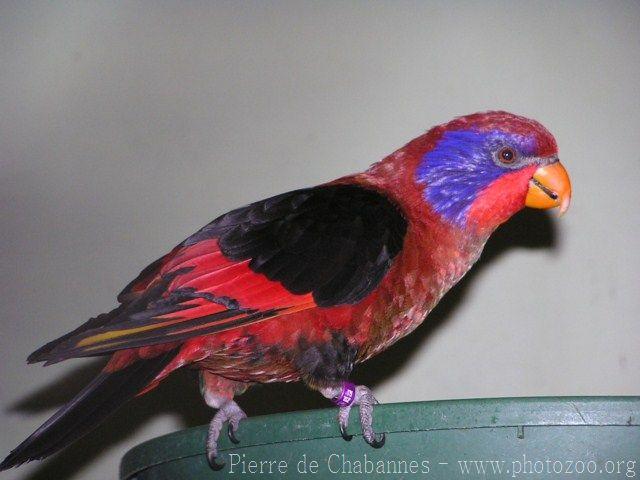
point(179, 394)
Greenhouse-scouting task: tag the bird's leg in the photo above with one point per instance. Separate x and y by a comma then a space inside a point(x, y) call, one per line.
point(218, 393)
point(347, 395)
point(231, 413)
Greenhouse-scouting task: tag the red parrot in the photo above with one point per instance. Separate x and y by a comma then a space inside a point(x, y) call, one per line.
point(306, 284)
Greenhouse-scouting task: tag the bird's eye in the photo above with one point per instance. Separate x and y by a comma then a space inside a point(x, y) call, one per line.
point(507, 155)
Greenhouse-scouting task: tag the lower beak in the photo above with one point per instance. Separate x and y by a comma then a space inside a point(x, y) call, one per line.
point(550, 187)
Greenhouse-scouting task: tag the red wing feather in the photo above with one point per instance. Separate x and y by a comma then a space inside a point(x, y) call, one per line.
point(194, 290)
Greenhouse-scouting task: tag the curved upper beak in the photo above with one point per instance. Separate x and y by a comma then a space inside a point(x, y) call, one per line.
point(550, 187)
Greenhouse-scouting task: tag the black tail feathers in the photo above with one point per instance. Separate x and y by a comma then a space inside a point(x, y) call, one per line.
point(106, 393)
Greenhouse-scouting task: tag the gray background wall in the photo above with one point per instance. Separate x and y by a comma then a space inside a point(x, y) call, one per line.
point(126, 126)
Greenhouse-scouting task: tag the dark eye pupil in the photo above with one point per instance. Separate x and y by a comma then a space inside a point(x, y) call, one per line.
point(507, 155)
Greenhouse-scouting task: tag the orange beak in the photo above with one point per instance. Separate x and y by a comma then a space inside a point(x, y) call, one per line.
point(550, 187)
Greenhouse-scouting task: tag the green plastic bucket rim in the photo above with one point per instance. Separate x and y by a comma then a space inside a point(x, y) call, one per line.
point(391, 418)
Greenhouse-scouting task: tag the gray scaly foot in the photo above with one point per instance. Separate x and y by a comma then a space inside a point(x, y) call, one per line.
point(229, 412)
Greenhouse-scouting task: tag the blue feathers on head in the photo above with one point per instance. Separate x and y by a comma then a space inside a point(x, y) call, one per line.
point(461, 165)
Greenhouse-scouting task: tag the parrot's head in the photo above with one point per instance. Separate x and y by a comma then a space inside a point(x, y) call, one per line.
point(481, 169)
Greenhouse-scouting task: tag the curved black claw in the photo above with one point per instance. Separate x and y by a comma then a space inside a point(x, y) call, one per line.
point(215, 465)
point(232, 434)
point(345, 435)
point(377, 442)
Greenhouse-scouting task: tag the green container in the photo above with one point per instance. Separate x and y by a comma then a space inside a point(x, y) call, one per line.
point(569, 437)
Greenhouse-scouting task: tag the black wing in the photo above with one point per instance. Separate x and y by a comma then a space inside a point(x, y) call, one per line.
point(335, 241)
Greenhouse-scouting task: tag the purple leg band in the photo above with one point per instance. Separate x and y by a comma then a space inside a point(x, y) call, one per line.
point(347, 395)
